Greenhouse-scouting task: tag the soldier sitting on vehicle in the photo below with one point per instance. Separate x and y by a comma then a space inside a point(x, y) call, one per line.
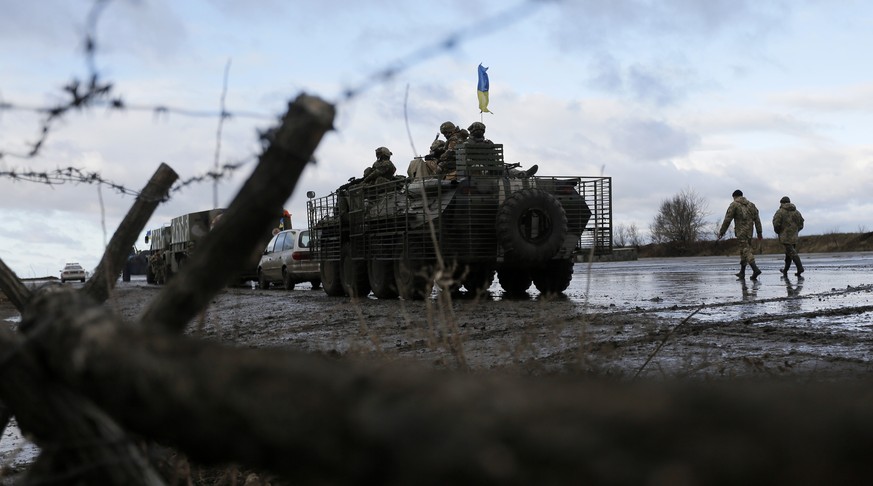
point(477, 133)
point(419, 168)
point(477, 136)
point(454, 137)
point(382, 169)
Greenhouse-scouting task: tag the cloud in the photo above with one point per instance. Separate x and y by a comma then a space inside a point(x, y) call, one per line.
point(612, 24)
point(857, 98)
point(651, 140)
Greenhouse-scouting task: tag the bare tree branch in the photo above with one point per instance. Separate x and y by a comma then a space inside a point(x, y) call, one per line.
point(16, 291)
point(115, 256)
point(226, 249)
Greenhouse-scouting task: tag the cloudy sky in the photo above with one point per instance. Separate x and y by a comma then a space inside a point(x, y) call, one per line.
point(772, 97)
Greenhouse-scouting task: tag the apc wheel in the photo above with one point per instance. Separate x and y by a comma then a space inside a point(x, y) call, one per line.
point(479, 278)
point(554, 277)
point(262, 280)
point(381, 275)
point(514, 281)
point(287, 283)
point(409, 276)
point(330, 278)
point(353, 274)
point(531, 226)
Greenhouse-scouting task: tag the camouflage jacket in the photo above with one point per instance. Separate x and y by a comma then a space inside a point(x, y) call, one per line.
point(787, 222)
point(745, 216)
point(447, 159)
point(382, 170)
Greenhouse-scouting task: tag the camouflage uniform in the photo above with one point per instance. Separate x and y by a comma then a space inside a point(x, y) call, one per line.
point(746, 219)
point(477, 136)
point(382, 169)
point(477, 133)
point(431, 160)
point(453, 136)
point(787, 222)
point(156, 261)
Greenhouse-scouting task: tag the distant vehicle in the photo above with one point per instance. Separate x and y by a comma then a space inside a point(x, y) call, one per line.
point(287, 260)
point(73, 271)
point(171, 245)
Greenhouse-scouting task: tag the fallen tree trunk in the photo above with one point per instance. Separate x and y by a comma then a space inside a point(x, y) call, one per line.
point(314, 419)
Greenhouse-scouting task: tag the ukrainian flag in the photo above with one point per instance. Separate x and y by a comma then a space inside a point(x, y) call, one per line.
point(483, 89)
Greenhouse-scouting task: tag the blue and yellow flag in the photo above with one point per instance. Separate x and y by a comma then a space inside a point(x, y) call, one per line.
point(483, 89)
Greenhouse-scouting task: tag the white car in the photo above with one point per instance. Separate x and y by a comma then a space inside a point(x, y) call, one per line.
point(287, 260)
point(73, 271)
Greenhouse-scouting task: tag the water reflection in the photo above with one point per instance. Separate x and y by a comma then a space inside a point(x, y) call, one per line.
point(749, 292)
point(792, 290)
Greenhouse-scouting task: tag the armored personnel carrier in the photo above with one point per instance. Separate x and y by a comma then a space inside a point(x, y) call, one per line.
point(396, 237)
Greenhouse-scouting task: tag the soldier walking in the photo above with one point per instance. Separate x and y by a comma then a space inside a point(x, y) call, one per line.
point(787, 222)
point(745, 216)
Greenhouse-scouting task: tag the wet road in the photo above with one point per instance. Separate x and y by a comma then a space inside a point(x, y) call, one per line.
point(674, 287)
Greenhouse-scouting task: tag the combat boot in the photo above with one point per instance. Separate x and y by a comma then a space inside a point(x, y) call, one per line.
point(798, 265)
point(755, 271)
point(533, 170)
point(742, 273)
point(787, 266)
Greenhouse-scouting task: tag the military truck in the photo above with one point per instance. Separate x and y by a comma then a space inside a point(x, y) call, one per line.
point(171, 245)
point(483, 219)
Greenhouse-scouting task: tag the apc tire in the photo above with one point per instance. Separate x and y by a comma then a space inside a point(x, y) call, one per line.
point(353, 274)
point(409, 276)
point(479, 278)
point(531, 226)
point(554, 277)
point(514, 281)
point(382, 281)
point(330, 278)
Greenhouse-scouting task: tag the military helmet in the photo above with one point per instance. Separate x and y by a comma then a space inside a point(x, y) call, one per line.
point(447, 127)
point(476, 126)
point(437, 145)
point(383, 151)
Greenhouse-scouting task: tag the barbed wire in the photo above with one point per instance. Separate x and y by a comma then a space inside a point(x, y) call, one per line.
point(74, 175)
point(93, 92)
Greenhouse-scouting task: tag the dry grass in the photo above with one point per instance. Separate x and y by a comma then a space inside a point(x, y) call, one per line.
point(826, 243)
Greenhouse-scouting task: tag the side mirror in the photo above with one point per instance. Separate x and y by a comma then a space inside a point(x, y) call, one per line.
point(310, 194)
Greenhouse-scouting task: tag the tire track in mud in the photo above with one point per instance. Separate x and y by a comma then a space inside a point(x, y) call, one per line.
point(543, 335)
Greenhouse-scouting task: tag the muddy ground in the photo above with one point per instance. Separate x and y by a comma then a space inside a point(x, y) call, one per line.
point(677, 319)
point(653, 318)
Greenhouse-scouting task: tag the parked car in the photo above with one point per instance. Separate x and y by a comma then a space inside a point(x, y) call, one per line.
point(287, 260)
point(73, 271)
